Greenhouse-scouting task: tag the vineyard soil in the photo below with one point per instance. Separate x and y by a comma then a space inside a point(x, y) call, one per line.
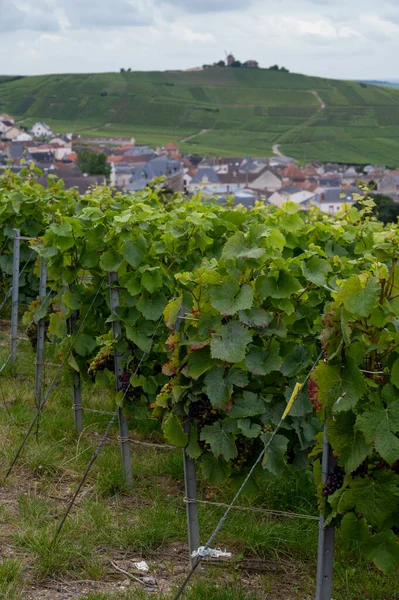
point(109, 529)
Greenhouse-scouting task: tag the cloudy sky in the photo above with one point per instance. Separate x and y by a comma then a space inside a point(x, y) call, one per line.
point(336, 38)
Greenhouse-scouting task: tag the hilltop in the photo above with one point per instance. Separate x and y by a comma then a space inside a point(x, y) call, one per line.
point(218, 111)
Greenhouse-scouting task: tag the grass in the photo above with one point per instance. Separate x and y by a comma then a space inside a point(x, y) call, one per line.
point(245, 111)
point(109, 526)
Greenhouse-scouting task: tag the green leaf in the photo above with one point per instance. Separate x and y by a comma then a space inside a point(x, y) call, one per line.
point(238, 247)
point(348, 444)
point(42, 310)
point(132, 254)
point(171, 312)
point(354, 528)
point(84, 344)
point(315, 270)
point(395, 373)
point(199, 362)
point(57, 325)
point(260, 361)
point(256, 317)
point(151, 280)
point(216, 470)
point(283, 287)
point(247, 405)
point(359, 297)
point(376, 497)
point(111, 260)
point(220, 438)
point(274, 458)
point(153, 306)
point(249, 429)
point(295, 362)
point(133, 285)
point(70, 300)
point(341, 391)
point(137, 337)
point(229, 298)
point(379, 427)
point(217, 388)
point(174, 432)
point(72, 363)
point(193, 449)
point(383, 550)
point(230, 341)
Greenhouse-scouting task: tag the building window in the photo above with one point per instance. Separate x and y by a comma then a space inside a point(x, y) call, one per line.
point(331, 208)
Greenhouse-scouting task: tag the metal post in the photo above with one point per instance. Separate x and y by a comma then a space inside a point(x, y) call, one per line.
point(190, 485)
point(15, 294)
point(325, 553)
point(76, 389)
point(123, 425)
point(41, 328)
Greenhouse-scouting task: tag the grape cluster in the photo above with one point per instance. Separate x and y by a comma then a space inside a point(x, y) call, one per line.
point(334, 481)
point(244, 447)
point(313, 391)
point(103, 360)
point(203, 413)
point(31, 332)
point(128, 391)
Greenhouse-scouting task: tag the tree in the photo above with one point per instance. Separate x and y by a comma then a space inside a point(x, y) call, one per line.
point(93, 163)
point(236, 63)
point(122, 70)
point(274, 68)
point(221, 63)
point(386, 210)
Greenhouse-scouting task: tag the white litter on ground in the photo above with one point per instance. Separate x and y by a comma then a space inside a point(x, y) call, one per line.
point(142, 566)
point(212, 552)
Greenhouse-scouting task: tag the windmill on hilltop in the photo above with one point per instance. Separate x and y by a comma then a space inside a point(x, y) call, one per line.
point(229, 58)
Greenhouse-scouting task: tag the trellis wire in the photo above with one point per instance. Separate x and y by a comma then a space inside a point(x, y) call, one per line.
point(9, 291)
point(237, 495)
point(4, 245)
point(103, 439)
point(54, 381)
point(254, 509)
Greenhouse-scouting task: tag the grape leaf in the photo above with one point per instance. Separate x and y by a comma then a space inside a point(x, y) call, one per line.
point(111, 260)
point(282, 287)
point(359, 299)
point(349, 444)
point(151, 280)
point(84, 344)
point(395, 373)
point(249, 429)
point(354, 528)
point(220, 438)
point(262, 361)
point(315, 270)
point(379, 427)
point(230, 341)
point(171, 311)
point(256, 317)
point(57, 325)
point(132, 254)
point(174, 432)
point(70, 300)
point(247, 405)
point(218, 389)
point(153, 306)
point(383, 550)
point(193, 449)
point(229, 297)
point(199, 362)
point(376, 498)
point(216, 470)
point(341, 391)
point(274, 458)
point(295, 362)
point(238, 247)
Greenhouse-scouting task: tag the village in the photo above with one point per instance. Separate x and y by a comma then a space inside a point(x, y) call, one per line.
point(131, 167)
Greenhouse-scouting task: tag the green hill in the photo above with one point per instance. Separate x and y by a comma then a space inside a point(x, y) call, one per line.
point(228, 111)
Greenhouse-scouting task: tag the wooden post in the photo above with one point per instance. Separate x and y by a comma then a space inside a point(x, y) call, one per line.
point(15, 295)
point(123, 424)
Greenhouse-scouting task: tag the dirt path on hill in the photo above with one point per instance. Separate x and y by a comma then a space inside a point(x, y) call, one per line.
point(320, 101)
point(195, 135)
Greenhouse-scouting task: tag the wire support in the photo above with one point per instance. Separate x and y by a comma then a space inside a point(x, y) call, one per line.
point(54, 381)
point(230, 506)
point(104, 438)
point(254, 509)
point(9, 291)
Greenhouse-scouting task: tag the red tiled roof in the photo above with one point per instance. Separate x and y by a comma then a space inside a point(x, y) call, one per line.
point(115, 159)
point(72, 157)
point(292, 172)
point(171, 146)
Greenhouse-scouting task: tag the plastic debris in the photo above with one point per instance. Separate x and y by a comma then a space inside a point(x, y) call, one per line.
point(212, 552)
point(142, 566)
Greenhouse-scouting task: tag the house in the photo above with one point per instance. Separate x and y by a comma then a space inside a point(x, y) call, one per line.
point(23, 137)
point(41, 130)
point(171, 150)
point(268, 180)
point(12, 133)
point(333, 199)
point(350, 176)
point(4, 125)
point(161, 166)
point(80, 182)
point(389, 185)
point(62, 140)
point(293, 194)
point(251, 64)
point(292, 173)
point(17, 151)
point(203, 177)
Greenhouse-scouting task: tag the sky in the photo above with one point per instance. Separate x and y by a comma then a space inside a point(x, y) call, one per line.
point(347, 39)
